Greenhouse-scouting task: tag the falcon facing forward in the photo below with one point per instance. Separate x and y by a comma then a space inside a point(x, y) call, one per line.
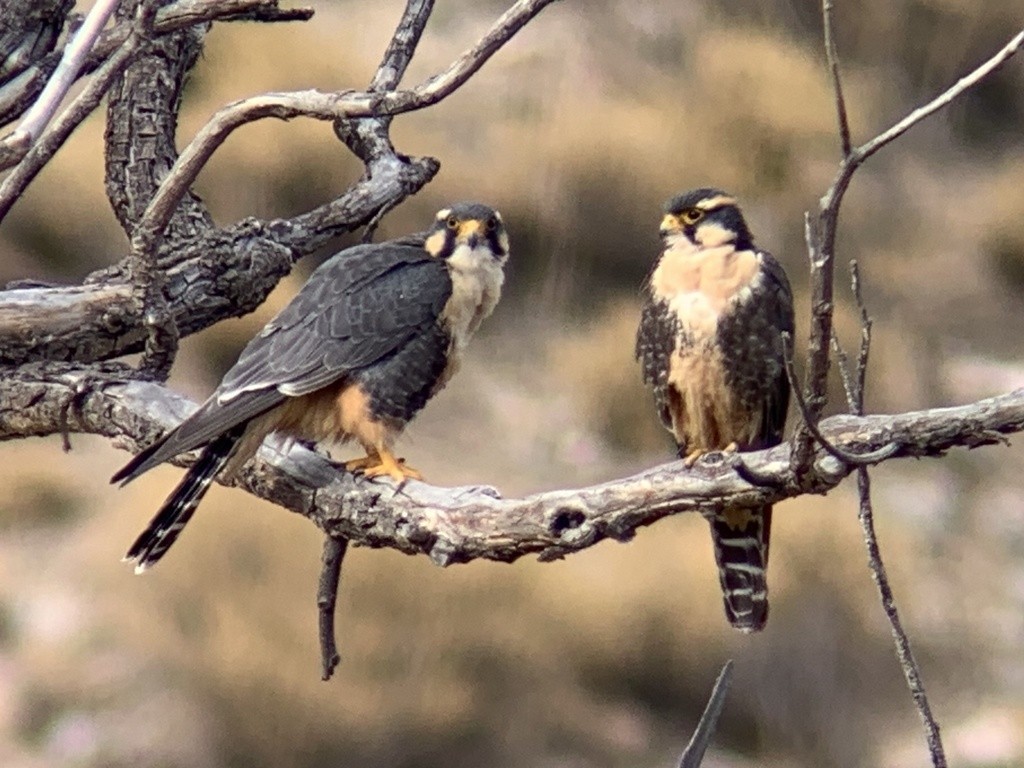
point(710, 347)
point(375, 333)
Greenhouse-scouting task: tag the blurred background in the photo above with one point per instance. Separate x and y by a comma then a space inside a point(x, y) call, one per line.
point(578, 131)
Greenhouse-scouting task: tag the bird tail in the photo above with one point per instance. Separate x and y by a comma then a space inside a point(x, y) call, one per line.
point(166, 526)
point(741, 539)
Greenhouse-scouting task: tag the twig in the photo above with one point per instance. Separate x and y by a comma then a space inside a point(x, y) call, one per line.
point(371, 226)
point(402, 46)
point(323, 106)
point(865, 337)
point(911, 671)
point(65, 75)
point(809, 420)
point(849, 384)
point(169, 18)
point(693, 755)
point(34, 158)
point(837, 86)
point(822, 235)
point(869, 148)
point(326, 599)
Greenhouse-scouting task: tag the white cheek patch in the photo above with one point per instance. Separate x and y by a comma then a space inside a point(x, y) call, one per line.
point(711, 235)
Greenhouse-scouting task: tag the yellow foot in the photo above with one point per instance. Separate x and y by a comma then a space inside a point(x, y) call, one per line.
point(694, 456)
point(358, 465)
point(388, 465)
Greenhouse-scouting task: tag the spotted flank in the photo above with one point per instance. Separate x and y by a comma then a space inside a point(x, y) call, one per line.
point(710, 348)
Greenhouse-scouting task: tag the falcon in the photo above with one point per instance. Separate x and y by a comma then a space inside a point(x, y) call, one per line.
point(710, 347)
point(375, 332)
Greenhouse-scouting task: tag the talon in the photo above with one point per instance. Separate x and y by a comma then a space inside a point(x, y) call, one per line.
point(371, 459)
point(692, 458)
point(387, 464)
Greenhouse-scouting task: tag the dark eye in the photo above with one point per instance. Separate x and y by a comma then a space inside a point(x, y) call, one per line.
point(492, 224)
point(452, 223)
point(692, 215)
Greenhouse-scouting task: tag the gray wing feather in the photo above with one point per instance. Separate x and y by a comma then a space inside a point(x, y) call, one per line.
point(357, 308)
point(779, 307)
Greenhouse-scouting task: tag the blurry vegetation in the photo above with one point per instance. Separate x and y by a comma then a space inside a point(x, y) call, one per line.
point(577, 131)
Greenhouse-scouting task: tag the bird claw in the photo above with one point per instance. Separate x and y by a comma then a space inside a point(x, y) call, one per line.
point(694, 456)
point(384, 463)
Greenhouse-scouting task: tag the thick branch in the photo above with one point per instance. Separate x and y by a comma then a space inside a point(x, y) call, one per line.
point(225, 273)
point(455, 525)
point(337, 106)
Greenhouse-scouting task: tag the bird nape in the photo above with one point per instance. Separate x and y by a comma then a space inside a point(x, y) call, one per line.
point(710, 347)
point(375, 332)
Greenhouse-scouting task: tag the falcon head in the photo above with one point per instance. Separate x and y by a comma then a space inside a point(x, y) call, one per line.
point(706, 218)
point(472, 226)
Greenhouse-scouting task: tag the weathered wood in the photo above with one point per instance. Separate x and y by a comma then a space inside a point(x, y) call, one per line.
point(457, 525)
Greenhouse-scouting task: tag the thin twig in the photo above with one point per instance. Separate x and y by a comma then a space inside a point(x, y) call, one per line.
point(821, 246)
point(693, 755)
point(837, 86)
point(35, 158)
point(327, 599)
point(849, 384)
point(810, 421)
point(402, 46)
point(64, 76)
point(911, 671)
point(169, 18)
point(869, 148)
point(865, 336)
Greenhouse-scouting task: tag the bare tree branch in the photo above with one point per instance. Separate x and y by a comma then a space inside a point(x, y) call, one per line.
point(323, 106)
point(821, 237)
point(693, 756)
point(65, 75)
point(911, 671)
point(326, 600)
point(463, 524)
point(837, 84)
point(29, 158)
point(944, 99)
point(17, 94)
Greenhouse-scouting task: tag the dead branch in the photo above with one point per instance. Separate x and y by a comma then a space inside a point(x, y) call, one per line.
point(821, 232)
point(457, 525)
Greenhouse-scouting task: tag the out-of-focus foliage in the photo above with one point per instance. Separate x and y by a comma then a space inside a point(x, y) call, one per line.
point(577, 131)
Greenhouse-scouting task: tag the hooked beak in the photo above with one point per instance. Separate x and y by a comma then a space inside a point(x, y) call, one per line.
point(470, 232)
point(670, 225)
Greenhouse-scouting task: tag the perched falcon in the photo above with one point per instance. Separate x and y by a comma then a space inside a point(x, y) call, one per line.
point(375, 333)
point(710, 346)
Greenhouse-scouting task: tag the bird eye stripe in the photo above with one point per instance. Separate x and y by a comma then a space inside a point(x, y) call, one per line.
point(718, 201)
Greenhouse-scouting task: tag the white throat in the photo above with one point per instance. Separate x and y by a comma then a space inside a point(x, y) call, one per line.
point(477, 278)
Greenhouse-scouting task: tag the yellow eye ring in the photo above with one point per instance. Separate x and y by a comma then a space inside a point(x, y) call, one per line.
point(692, 215)
point(452, 223)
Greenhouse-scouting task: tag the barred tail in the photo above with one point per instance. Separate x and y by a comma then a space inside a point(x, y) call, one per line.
point(165, 527)
point(741, 539)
